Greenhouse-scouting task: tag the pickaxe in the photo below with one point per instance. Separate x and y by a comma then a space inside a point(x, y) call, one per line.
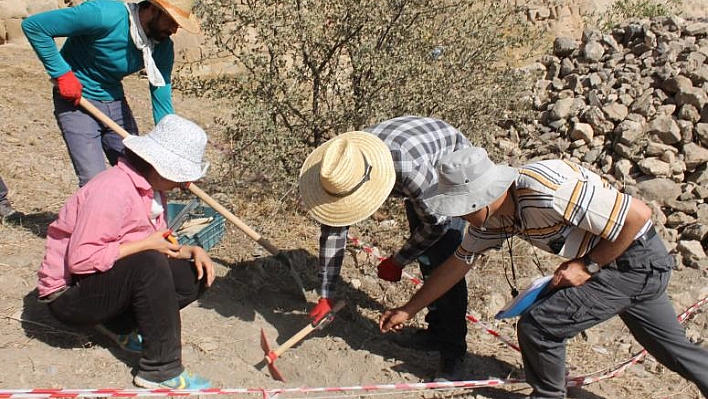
point(96, 113)
point(271, 355)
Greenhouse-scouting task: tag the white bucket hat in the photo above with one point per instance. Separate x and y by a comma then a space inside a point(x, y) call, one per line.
point(467, 182)
point(181, 12)
point(174, 148)
point(346, 179)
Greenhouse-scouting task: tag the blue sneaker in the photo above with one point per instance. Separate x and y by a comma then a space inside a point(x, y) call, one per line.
point(132, 342)
point(186, 380)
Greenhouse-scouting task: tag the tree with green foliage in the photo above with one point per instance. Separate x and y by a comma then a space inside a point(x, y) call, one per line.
point(310, 70)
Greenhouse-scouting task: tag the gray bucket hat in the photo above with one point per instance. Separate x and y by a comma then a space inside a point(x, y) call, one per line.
point(467, 182)
point(174, 148)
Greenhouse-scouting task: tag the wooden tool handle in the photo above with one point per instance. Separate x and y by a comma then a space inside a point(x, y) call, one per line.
point(293, 340)
point(303, 333)
point(96, 113)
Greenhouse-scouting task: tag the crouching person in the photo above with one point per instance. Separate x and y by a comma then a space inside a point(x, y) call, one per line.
point(108, 262)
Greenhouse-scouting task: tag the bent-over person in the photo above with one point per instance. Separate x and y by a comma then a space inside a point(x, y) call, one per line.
point(616, 263)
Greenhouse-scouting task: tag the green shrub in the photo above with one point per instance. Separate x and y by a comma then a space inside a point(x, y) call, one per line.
point(308, 70)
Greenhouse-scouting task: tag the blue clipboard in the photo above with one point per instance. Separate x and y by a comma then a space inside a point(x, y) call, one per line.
point(526, 298)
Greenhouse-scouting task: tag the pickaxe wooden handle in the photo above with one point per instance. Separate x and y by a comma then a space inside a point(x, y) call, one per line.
point(96, 113)
point(270, 355)
point(319, 324)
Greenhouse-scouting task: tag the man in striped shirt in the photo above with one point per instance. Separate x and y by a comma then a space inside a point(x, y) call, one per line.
point(616, 264)
point(415, 145)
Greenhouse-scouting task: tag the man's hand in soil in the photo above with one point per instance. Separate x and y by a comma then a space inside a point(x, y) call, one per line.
point(393, 319)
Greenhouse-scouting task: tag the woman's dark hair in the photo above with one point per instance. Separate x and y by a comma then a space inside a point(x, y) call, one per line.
point(141, 165)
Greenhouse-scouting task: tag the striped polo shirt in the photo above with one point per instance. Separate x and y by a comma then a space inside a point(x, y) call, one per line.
point(561, 208)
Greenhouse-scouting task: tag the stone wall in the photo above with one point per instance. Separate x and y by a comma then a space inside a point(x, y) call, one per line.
point(632, 104)
point(566, 17)
point(559, 17)
point(12, 12)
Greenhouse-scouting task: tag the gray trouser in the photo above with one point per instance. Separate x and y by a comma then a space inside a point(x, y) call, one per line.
point(632, 287)
point(88, 139)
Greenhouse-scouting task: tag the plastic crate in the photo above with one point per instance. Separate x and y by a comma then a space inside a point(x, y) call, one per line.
point(208, 236)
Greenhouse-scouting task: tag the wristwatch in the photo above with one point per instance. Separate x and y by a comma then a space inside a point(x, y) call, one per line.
point(591, 266)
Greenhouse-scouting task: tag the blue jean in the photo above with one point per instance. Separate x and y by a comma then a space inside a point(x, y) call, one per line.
point(446, 316)
point(87, 139)
point(633, 287)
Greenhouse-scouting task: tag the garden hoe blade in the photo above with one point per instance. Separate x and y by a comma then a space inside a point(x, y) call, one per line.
point(270, 355)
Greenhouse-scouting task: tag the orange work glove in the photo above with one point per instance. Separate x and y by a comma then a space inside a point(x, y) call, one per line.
point(324, 305)
point(388, 270)
point(69, 87)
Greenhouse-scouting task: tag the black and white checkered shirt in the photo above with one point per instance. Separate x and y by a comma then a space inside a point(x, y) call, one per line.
point(416, 144)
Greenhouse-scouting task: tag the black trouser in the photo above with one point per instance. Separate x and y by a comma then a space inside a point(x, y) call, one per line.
point(632, 287)
point(145, 290)
point(446, 316)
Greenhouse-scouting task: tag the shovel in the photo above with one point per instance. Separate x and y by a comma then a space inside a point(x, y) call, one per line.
point(271, 355)
point(96, 113)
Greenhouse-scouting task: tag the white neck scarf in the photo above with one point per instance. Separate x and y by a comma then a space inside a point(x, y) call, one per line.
point(145, 45)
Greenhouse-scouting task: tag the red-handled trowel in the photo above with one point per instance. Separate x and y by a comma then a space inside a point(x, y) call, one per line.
point(271, 355)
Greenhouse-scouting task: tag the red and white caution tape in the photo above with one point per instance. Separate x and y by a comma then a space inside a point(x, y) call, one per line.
point(266, 393)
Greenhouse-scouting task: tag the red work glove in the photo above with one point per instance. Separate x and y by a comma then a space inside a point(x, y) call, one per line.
point(324, 305)
point(388, 270)
point(69, 87)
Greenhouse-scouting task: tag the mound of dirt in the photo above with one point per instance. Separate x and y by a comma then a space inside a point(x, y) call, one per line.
point(221, 332)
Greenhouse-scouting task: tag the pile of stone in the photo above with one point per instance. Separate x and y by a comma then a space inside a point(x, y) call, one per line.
point(633, 105)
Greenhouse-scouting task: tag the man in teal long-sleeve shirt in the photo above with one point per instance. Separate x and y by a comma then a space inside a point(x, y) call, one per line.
point(106, 41)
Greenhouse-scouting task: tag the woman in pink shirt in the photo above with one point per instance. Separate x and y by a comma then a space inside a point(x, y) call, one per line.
point(108, 263)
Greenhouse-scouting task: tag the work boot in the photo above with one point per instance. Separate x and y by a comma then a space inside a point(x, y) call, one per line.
point(452, 368)
point(420, 340)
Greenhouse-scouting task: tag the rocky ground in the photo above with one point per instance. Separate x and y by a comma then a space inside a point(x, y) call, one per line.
point(254, 292)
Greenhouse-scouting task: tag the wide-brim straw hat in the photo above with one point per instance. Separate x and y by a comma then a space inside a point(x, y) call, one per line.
point(467, 182)
point(174, 148)
point(181, 12)
point(346, 179)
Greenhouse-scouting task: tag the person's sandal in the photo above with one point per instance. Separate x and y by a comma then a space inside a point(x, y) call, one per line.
point(132, 342)
point(186, 380)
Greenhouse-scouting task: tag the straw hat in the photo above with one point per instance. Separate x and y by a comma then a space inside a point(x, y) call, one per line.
point(346, 179)
point(174, 148)
point(467, 182)
point(181, 12)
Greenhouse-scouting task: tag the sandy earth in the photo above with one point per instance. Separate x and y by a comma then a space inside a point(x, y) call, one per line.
point(252, 291)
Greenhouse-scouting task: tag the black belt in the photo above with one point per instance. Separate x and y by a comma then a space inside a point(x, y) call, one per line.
point(648, 235)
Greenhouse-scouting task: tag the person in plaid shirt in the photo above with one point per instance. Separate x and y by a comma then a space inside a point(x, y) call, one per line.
point(340, 187)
